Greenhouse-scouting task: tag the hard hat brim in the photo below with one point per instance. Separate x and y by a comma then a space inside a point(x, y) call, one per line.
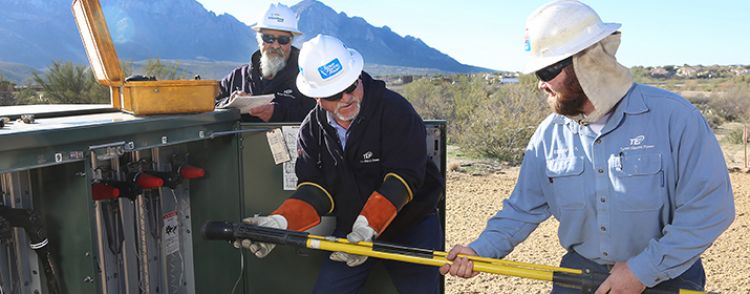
point(340, 84)
point(537, 63)
point(258, 27)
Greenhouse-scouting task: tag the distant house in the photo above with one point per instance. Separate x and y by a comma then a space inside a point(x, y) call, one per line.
point(509, 80)
point(687, 72)
point(740, 71)
point(659, 72)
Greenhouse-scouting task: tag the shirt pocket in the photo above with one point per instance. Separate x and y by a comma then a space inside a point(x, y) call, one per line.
point(564, 176)
point(639, 182)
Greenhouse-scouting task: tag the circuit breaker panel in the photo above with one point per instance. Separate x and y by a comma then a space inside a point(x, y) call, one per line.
point(101, 203)
point(114, 203)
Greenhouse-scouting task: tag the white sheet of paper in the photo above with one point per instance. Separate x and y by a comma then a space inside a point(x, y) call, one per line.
point(290, 177)
point(246, 101)
point(278, 146)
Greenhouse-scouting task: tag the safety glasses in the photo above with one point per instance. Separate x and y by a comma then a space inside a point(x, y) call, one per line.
point(549, 73)
point(269, 39)
point(337, 96)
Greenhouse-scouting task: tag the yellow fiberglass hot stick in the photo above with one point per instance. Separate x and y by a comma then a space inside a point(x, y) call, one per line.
point(587, 281)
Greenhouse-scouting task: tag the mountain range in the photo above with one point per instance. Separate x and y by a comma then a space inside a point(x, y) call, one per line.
point(33, 33)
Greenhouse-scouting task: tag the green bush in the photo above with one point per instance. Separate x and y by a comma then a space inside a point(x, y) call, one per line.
point(501, 125)
point(732, 102)
point(68, 83)
point(484, 120)
point(734, 137)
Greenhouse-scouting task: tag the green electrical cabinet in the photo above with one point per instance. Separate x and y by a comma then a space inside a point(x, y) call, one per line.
point(147, 240)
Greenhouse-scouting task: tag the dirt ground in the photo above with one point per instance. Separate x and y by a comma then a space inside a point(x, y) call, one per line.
point(473, 196)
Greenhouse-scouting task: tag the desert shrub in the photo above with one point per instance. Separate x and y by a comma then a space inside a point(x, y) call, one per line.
point(734, 137)
point(155, 68)
point(486, 121)
point(733, 103)
point(703, 104)
point(68, 83)
point(502, 124)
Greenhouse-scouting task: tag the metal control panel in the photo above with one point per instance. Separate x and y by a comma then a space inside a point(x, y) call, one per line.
point(113, 203)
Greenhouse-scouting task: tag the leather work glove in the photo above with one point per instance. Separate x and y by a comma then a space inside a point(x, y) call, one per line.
point(260, 249)
point(361, 231)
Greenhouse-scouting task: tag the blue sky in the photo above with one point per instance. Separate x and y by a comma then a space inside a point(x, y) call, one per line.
point(489, 33)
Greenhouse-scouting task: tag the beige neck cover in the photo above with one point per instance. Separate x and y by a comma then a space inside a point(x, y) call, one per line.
point(604, 81)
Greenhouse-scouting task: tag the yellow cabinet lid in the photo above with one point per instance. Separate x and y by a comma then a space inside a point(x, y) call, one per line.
point(98, 42)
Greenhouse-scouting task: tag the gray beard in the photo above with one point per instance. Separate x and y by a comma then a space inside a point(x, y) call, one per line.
point(271, 65)
point(346, 118)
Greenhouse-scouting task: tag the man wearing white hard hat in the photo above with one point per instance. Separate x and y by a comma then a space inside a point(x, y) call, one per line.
point(272, 70)
point(363, 159)
point(633, 173)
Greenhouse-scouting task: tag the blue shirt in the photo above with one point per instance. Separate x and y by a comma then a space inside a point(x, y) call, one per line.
point(652, 189)
point(340, 131)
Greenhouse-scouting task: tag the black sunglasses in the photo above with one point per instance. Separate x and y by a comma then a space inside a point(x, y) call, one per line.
point(269, 39)
point(337, 96)
point(549, 73)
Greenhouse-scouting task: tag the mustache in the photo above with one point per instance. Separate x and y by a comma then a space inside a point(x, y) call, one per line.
point(276, 51)
point(340, 105)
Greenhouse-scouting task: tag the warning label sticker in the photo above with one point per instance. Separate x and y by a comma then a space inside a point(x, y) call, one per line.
point(170, 233)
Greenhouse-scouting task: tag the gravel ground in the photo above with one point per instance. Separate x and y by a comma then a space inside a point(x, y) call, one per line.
point(472, 197)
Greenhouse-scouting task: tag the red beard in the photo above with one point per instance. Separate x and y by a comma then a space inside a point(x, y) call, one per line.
point(570, 99)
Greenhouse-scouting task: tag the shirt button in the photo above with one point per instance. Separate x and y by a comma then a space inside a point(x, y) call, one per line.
point(603, 229)
point(598, 141)
point(601, 171)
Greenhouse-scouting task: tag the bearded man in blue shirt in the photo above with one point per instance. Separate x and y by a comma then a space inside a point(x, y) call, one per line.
point(633, 173)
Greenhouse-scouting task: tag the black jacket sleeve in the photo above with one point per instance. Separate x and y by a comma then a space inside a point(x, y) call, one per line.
point(404, 150)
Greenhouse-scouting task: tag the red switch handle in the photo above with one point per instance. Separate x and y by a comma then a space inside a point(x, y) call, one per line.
point(100, 191)
point(191, 172)
point(146, 181)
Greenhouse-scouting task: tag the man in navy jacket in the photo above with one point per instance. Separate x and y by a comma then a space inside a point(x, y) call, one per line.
point(362, 158)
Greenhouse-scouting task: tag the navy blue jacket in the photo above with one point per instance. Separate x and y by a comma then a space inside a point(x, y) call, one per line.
point(291, 105)
point(387, 137)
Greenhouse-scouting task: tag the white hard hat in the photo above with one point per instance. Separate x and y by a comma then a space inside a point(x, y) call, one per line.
point(561, 29)
point(327, 67)
point(278, 17)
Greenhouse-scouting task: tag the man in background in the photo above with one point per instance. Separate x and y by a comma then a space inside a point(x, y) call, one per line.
point(272, 70)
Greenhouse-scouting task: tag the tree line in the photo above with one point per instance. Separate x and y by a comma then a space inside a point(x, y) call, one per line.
point(69, 83)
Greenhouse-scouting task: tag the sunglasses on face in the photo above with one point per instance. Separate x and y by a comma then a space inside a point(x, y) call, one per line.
point(337, 96)
point(549, 73)
point(269, 39)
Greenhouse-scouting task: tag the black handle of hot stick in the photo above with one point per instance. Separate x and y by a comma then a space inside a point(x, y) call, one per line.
point(221, 230)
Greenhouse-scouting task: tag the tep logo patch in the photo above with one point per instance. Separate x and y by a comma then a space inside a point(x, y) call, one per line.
point(367, 158)
point(276, 17)
point(330, 69)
